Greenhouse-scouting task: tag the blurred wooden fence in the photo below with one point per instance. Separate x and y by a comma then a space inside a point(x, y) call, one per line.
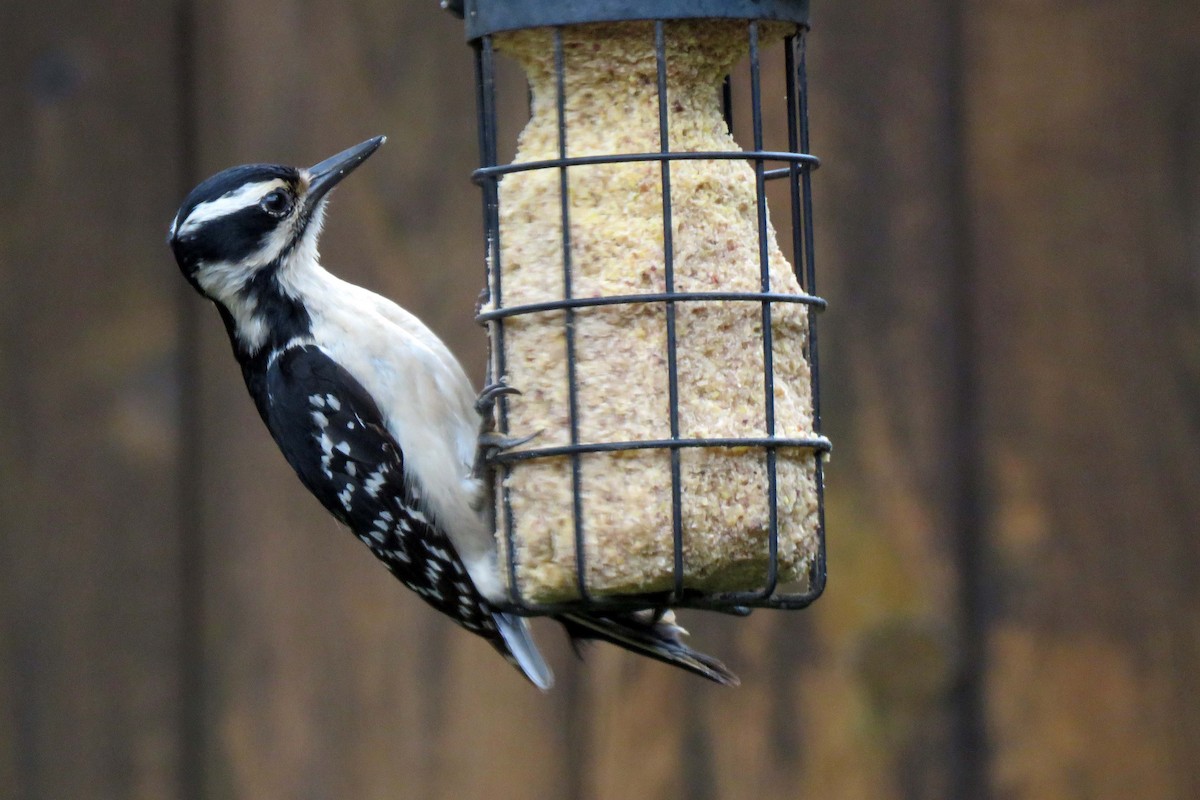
point(1009, 237)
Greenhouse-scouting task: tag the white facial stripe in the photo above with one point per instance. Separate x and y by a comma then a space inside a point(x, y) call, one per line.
point(224, 280)
point(227, 204)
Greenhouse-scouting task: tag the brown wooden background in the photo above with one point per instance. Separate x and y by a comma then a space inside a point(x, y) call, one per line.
point(1009, 237)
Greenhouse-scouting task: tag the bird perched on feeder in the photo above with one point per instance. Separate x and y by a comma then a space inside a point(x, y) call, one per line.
point(370, 408)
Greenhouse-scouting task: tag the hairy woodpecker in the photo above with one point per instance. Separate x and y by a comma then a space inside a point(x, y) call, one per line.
point(369, 407)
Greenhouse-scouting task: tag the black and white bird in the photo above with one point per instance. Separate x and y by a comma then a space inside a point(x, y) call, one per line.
point(369, 407)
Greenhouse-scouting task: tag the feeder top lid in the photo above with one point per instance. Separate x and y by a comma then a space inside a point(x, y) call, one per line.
point(484, 17)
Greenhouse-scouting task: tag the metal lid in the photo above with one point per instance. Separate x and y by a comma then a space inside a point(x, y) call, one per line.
point(484, 17)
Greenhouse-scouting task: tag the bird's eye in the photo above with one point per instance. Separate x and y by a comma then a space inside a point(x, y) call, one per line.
point(278, 203)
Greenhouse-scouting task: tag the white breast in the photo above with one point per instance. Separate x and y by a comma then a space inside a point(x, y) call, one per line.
point(427, 401)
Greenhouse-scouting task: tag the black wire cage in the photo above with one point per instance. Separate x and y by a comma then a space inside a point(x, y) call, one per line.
point(486, 20)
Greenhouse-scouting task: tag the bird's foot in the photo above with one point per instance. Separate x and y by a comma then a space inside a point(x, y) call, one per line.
point(490, 443)
point(664, 617)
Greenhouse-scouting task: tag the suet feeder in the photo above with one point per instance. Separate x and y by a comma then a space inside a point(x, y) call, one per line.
point(639, 300)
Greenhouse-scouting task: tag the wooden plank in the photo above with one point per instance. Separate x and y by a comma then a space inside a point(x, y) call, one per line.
point(1083, 126)
point(326, 677)
point(89, 635)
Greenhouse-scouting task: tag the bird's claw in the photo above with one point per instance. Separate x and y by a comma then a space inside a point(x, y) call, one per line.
point(490, 443)
point(490, 394)
point(498, 442)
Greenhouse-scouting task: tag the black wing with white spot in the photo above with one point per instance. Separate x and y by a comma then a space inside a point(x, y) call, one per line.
point(333, 435)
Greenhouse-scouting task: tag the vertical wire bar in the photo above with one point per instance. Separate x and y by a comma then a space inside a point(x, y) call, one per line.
point(800, 237)
point(569, 316)
point(664, 145)
point(799, 234)
point(817, 579)
point(768, 346)
point(794, 168)
point(727, 102)
point(485, 81)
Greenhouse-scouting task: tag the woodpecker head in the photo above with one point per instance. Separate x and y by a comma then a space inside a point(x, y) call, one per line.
point(239, 233)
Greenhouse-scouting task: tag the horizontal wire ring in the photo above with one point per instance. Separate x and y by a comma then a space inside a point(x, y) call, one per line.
point(817, 444)
point(803, 161)
point(655, 297)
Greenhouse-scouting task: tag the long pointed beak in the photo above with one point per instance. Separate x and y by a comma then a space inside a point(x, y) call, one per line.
point(324, 176)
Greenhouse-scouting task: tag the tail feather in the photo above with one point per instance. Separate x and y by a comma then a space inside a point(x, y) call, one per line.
point(650, 634)
point(516, 644)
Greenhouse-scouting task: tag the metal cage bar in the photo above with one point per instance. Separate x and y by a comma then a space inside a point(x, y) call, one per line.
point(485, 82)
point(764, 258)
point(797, 168)
point(564, 191)
point(664, 146)
point(489, 172)
point(797, 77)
